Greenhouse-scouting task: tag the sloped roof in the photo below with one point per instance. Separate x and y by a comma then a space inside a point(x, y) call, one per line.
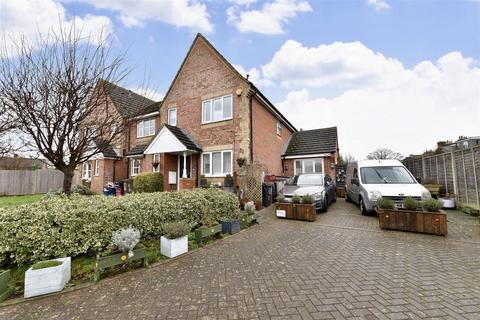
point(127, 102)
point(137, 149)
point(107, 150)
point(184, 138)
point(275, 111)
point(312, 142)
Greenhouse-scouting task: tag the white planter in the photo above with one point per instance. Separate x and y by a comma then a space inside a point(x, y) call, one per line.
point(47, 280)
point(448, 203)
point(173, 247)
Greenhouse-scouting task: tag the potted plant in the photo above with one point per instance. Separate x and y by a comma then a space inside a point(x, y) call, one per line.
point(174, 241)
point(125, 250)
point(413, 215)
point(4, 280)
point(248, 216)
point(210, 227)
point(284, 209)
point(47, 277)
point(305, 209)
point(203, 181)
point(241, 161)
point(448, 202)
point(231, 224)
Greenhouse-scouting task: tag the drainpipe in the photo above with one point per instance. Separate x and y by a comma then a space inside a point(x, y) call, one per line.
point(127, 167)
point(250, 105)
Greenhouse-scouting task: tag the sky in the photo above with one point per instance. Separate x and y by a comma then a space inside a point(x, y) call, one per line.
point(400, 74)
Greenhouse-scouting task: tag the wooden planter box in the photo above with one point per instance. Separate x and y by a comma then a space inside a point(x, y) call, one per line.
point(4, 279)
point(204, 232)
point(230, 226)
point(247, 220)
point(118, 259)
point(47, 280)
point(414, 221)
point(297, 211)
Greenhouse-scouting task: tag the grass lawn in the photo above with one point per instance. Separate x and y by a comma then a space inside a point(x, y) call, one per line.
point(7, 201)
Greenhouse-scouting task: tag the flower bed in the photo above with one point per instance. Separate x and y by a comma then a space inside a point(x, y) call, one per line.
point(77, 225)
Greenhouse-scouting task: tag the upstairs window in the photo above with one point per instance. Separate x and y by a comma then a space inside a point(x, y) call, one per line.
point(145, 128)
point(172, 116)
point(279, 128)
point(217, 109)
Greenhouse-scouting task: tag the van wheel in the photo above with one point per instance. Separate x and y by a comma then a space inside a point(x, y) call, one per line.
point(363, 211)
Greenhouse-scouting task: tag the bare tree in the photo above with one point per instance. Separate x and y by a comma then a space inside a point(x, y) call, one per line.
point(7, 125)
point(55, 88)
point(384, 153)
point(346, 158)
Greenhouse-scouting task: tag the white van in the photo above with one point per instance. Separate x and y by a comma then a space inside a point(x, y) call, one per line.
point(368, 180)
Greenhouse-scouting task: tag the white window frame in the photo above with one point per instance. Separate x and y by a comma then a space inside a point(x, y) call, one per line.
point(168, 116)
point(135, 167)
point(222, 152)
point(211, 108)
point(279, 128)
point(97, 167)
point(303, 165)
point(86, 170)
point(142, 126)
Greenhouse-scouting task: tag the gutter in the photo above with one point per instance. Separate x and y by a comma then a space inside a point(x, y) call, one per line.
point(147, 115)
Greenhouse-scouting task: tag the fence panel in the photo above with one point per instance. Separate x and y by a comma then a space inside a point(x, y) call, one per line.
point(21, 182)
point(458, 172)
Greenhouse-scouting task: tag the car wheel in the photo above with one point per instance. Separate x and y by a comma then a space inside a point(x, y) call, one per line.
point(325, 204)
point(361, 204)
point(334, 198)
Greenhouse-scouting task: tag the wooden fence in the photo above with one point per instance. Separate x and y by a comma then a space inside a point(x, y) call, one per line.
point(20, 182)
point(458, 171)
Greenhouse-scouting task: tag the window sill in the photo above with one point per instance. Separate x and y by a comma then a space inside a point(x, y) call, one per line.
point(217, 121)
point(217, 175)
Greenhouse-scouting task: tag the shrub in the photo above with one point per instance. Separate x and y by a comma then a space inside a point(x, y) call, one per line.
point(76, 189)
point(70, 226)
point(432, 205)
point(308, 199)
point(410, 204)
point(148, 182)
point(46, 264)
point(296, 199)
point(281, 197)
point(126, 239)
point(250, 207)
point(174, 230)
point(383, 203)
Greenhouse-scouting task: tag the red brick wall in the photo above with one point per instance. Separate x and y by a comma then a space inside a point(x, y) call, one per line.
point(134, 140)
point(267, 145)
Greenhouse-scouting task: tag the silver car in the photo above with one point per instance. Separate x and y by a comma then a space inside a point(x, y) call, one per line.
point(318, 185)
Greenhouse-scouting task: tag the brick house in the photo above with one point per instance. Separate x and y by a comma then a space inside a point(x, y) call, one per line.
point(210, 121)
point(213, 118)
point(124, 158)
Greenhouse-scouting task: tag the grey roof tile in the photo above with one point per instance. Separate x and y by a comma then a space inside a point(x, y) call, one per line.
point(313, 141)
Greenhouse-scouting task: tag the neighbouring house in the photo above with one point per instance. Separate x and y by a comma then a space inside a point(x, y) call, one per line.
point(113, 163)
point(211, 121)
point(311, 151)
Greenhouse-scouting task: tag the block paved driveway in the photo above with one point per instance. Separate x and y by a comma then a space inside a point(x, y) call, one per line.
point(340, 267)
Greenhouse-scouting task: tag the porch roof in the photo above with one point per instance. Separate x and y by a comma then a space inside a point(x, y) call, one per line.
point(172, 139)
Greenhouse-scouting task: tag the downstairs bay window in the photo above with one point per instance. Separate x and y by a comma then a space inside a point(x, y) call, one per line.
point(217, 163)
point(314, 165)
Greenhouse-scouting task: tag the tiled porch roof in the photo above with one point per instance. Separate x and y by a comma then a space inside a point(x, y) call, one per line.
point(137, 150)
point(184, 138)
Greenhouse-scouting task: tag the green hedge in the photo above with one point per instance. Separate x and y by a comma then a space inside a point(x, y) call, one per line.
point(148, 182)
point(63, 226)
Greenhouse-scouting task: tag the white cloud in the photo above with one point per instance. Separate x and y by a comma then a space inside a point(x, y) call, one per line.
point(243, 2)
point(180, 13)
point(254, 76)
point(378, 102)
point(378, 5)
point(269, 19)
point(28, 18)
